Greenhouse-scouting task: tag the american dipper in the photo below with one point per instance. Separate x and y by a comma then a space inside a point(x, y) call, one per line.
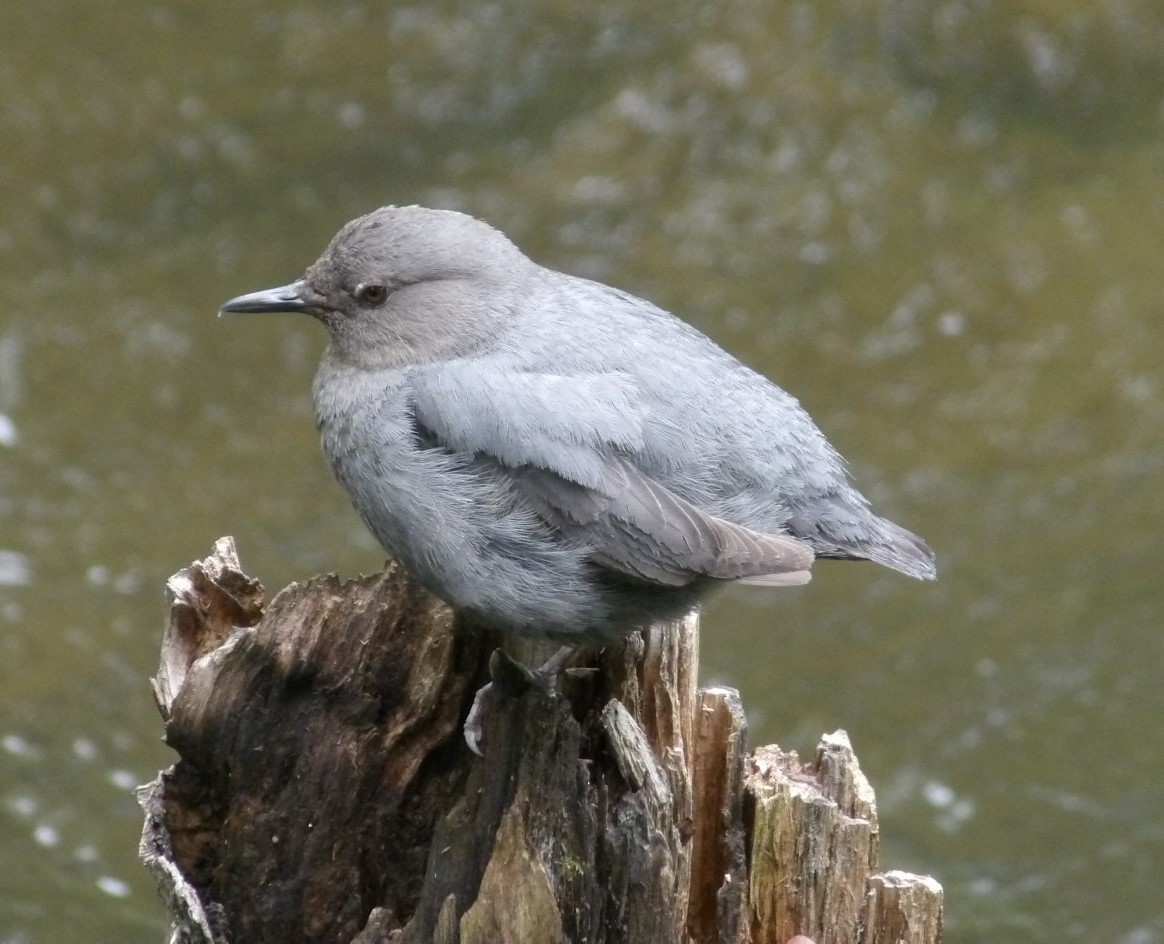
point(552, 456)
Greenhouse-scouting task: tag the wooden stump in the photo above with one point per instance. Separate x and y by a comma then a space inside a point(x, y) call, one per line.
point(324, 793)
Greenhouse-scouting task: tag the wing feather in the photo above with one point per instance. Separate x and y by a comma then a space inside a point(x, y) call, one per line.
point(567, 443)
point(642, 529)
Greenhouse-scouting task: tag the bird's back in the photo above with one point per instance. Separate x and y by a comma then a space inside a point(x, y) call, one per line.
point(715, 432)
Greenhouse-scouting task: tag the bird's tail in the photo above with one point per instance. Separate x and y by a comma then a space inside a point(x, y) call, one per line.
point(893, 546)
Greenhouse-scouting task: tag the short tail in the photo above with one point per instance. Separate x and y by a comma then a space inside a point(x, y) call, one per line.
point(842, 527)
point(893, 546)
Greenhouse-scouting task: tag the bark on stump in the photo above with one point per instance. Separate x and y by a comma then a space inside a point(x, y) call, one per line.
point(324, 793)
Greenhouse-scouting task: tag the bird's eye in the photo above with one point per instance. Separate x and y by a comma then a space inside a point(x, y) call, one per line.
point(371, 293)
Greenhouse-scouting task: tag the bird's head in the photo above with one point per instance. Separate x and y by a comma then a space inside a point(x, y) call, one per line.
point(405, 285)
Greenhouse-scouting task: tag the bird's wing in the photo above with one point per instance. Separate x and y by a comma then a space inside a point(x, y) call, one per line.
point(566, 443)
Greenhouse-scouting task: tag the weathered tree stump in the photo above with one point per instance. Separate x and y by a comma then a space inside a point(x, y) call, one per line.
point(324, 793)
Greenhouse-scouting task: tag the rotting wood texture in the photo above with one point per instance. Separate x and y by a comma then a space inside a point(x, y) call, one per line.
point(323, 791)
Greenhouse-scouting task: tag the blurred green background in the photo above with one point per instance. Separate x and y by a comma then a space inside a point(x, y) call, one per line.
point(938, 224)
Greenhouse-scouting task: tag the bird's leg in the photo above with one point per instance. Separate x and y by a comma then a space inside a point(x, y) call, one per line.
point(511, 678)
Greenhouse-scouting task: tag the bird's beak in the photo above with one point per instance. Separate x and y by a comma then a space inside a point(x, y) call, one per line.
point(284, 298)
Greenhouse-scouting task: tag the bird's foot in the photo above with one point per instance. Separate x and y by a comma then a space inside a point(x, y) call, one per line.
point(512, 679)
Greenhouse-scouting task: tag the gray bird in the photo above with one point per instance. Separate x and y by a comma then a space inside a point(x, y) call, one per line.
point(554, 457)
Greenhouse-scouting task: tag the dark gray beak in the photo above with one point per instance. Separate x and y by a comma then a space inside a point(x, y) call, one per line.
point(283, 298)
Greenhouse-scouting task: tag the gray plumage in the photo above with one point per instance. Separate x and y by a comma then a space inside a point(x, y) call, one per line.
point(554, 456)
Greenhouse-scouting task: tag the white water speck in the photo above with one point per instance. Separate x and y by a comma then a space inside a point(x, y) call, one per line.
point(938, 794)
point(951, 323)
point(124, 779)
point(23, 805)
point(815, 253)
point(113, 886)
point(18, 745)
point(352, 116)
point(15, 570)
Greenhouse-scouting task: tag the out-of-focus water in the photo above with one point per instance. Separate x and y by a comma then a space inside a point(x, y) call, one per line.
point(938, 224)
